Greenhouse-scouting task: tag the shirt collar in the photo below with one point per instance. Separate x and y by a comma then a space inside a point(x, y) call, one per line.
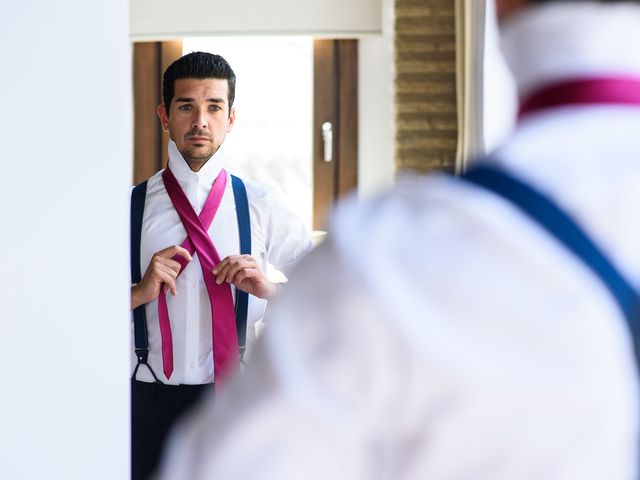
point(207, 174)
point(560, 41)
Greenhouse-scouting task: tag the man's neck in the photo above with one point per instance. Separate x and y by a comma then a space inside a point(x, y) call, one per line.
point(195, 164)
point(203, 168)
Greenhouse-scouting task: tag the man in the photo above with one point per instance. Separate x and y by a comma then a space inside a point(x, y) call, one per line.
point(189, 248)
point(449, 333)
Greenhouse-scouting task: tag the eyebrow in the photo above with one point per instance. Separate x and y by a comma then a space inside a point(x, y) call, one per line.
point(187, 99)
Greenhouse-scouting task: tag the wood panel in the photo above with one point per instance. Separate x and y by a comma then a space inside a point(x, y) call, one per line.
point(146, 96)
point(169, 53)
point(347, 179)
point(325, 107)
point(150, 60)
point(335, 101)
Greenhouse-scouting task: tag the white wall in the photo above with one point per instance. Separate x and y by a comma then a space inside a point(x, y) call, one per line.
point(65, 162)
point(376, 131)
point(165, 19)
point(499, 87)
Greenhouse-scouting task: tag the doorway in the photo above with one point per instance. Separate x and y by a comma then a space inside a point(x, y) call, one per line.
point(292, 92)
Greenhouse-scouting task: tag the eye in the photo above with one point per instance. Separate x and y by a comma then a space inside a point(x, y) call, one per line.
point(214, 108)
point(184, 108)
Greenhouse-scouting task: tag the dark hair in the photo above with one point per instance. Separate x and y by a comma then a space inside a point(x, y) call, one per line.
point(197, 65)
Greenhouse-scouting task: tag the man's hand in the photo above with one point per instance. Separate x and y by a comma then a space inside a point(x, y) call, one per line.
point(162, 270)
point(245, 273)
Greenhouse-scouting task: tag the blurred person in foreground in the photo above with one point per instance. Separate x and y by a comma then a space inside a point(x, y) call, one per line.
point(448, 334)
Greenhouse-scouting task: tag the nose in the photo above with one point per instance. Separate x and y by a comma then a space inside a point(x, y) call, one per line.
point(199, 118)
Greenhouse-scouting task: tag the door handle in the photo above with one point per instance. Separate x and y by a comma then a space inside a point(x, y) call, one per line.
point(327, 140)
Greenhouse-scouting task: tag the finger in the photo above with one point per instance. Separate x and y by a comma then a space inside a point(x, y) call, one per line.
point(165, 278)
point(222, 273)
point(168, 270)
point(220, 265)
point(159, 266)
point(225, 262)
point(170, 282)
point(172, 264)
point(247, 262)
point(234, 265)
point(165, 264)
point(233, 259)
point(246, 274)
point(223, 268)
point(174, 250)
point(234, 269)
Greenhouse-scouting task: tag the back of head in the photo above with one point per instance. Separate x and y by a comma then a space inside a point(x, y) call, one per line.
point(197, 65)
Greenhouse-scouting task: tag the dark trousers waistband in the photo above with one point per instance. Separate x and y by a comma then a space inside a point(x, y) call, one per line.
point(169, 391)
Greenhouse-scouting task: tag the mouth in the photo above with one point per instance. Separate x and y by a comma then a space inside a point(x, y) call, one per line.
point(198, 139)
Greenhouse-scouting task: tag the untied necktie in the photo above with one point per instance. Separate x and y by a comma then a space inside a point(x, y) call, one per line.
point(224, 335)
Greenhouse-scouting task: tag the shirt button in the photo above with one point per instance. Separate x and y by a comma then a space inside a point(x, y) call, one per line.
point(193, 285)
point(193, 365)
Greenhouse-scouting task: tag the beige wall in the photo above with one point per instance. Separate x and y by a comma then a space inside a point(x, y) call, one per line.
point(425, 93)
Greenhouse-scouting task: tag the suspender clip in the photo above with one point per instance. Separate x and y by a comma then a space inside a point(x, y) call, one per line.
point(142, 354)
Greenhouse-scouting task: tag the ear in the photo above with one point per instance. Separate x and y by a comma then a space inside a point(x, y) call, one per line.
point(164, 117)
point(232, 119)
point(505, 8)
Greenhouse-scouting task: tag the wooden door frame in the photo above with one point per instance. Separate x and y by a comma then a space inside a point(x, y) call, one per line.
point(150, 60)
point(335, 100)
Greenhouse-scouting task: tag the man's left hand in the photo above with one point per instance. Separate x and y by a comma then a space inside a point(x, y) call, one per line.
point(245, 273)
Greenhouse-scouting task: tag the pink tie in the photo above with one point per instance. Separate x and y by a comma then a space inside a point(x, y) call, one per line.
point(616, 90)
point(225, 337)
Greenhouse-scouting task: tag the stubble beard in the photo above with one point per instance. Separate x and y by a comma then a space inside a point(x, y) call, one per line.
point(197, 157)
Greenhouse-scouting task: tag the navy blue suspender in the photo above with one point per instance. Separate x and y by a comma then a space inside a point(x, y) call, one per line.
point(567, 232)
point(242, 298)
point(140, 338)
point(244, 231)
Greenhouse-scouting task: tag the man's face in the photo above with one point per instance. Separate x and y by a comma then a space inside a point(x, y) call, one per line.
point(198, 118)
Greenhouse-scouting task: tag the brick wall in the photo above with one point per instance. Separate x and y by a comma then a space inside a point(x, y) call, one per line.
point(425, 98)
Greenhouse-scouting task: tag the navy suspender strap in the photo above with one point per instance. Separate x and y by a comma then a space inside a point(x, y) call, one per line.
point(565, 230)
point(141, 341)
point(242, 298)
point(244, 230)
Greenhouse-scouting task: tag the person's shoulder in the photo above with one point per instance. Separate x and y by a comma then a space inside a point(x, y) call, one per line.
point(436, 202)
point(155, 184)
point(152, 184)
point(153, 179)
point(391, 212)
point(259, 192)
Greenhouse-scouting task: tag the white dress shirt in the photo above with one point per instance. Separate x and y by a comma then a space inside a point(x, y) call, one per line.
point(277, 237)
point(440, 333)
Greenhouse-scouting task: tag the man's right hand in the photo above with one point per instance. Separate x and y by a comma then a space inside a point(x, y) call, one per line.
point(162, 270)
